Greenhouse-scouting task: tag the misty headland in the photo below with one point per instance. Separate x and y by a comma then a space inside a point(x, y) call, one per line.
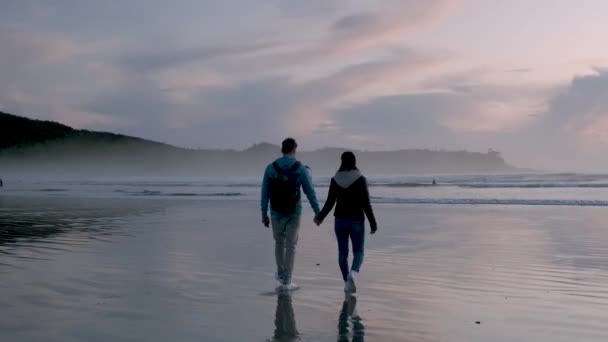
point(32, 147)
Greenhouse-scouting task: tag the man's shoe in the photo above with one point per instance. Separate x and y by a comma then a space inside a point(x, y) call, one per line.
point(279, 279)
point(290, 287)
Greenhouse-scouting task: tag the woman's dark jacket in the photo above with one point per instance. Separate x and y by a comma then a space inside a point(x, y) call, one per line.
point(349, 190)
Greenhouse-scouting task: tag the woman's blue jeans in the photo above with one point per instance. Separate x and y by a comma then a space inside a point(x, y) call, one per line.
point(355, 230)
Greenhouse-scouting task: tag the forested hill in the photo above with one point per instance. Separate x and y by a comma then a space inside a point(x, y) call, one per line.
point(34, 147)
point(20, 132)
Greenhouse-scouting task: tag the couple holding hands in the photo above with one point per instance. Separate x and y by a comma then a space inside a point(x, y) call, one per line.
point(348, 192)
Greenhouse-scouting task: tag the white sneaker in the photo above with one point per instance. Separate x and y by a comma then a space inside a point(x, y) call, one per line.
point(290, 287)
point(279, 279)
point(350, 282)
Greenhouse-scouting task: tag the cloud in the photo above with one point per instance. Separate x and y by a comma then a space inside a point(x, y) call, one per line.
point(434, 118)
point(350, 36)
point(331, 72)
point(45, 74)
point(398, 120)
point(355, 22)
point(581, 108)
point(310, 7)
point(389, 22)
point(483, 103)
point(547, 126)
point(218, 87)
point(19, 47)
point(520, 70)
point(269, 106)
point(160, 60)
point(570, 134)
point(492, 108)
point(359, 80)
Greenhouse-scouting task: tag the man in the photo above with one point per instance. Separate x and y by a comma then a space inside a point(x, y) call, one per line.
point(281, 187)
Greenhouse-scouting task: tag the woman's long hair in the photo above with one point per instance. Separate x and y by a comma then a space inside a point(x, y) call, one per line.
point(349, 162)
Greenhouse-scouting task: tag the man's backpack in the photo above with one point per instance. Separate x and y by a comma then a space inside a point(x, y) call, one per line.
point(284, 189)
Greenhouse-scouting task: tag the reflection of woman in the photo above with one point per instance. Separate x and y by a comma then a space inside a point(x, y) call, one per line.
point(349, 189)
point(349, 311)
point(285, 322)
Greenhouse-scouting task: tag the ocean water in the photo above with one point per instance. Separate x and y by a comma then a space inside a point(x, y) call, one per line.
point(473, 258)
point(524, 189)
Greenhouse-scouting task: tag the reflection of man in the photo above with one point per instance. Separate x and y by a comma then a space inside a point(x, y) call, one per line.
point(285, 322)
point(349, 311)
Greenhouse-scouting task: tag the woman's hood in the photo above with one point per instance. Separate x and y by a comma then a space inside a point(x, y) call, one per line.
point(346, 178)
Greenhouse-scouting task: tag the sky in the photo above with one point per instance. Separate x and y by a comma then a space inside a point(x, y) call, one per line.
point(528, 78)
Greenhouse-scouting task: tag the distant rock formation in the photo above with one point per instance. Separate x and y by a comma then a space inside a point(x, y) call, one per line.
point(33, 147)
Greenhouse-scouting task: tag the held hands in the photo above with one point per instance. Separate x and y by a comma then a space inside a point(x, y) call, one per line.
point(317, 221)
point(266, 222)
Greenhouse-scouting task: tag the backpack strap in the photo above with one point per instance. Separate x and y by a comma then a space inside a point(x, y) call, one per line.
point(291, 170)
point(277, 168)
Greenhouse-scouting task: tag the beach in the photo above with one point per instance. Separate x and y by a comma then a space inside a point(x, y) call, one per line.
point(119, 269)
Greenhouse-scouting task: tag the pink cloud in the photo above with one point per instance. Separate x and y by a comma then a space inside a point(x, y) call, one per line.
point(387, 26)
point(40, 48)
point(390, 23)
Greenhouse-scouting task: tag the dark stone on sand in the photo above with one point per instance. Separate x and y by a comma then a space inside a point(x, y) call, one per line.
point(478, 322)
point(318, 264)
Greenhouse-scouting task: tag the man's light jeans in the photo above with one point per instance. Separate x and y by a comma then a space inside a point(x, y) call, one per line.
point(285, 230)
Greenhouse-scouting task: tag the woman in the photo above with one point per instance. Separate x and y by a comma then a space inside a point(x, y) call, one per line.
point(349, 188)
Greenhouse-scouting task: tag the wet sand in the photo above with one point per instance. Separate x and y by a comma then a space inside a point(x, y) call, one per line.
point(158, 270)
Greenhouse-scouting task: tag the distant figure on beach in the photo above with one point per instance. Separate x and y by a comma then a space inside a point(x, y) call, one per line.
point(349, 189)
point(434, 182)
point(281, 187)
point(1, 183)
